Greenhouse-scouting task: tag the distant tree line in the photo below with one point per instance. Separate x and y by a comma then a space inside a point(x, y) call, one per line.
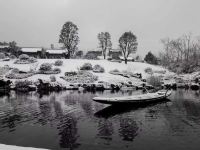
point(181, 55)
point(12, 47)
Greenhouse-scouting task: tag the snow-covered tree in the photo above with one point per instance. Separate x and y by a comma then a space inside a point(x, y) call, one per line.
point(128, 44)
point(69, 37)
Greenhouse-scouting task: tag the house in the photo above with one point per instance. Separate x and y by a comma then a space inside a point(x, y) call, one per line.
point(32, 51)
point(4, 48)
point(56, 53)
point(115, 53)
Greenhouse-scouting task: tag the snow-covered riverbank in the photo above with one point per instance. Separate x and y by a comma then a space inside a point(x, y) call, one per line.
point(75, 64)
point(9, 147)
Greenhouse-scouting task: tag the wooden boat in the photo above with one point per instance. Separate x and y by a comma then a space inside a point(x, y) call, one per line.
point(135, 99)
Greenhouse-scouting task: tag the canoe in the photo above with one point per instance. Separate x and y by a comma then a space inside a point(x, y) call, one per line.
point(139, 99)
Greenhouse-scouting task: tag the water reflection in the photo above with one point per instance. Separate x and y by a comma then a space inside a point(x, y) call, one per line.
point(71, 120)
point(68, 132)
point(105, 130)
point(113, 110)
point(128, 129)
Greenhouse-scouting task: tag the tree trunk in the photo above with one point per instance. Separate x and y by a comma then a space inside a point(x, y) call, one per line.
point(104, 56)
point(125, 59)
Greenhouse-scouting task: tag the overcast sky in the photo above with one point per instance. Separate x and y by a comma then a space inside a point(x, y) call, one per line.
point(38, 22)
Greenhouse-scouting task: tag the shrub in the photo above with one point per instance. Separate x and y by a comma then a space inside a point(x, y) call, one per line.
point(154, 81)
point(91, 56)
point(18, 75)
point(81, 77)
point(98, 68)
point(46, 67)
point(148, 70)
point(53, 78)
point(22, 84)
point(115, 70)
point(15, 70)
point(2, 56)
point(57, 70)
point(32, 59)
point(151, 59)
point(23, 57)
point(86, 66)
point(12, 57)
point(4, 70)
point(71, 73)
point(58, 63)
point(79, 54)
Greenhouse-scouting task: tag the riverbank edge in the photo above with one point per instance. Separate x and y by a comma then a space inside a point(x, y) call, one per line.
point(13, 147)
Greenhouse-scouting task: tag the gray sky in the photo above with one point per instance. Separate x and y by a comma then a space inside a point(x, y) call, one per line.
point(38, 22)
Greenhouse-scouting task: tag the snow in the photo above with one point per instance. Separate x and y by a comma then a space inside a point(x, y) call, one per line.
point(9, 147)
point(54, 51)
point(31, 49)
point(75, 64)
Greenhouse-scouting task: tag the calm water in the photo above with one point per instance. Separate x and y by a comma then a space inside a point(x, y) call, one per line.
point(71, 120)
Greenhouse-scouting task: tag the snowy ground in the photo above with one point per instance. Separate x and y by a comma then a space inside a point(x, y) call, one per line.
point(74, 64)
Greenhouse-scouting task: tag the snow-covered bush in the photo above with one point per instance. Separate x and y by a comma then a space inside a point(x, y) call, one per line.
point(18, 75)
point(115, 71)
point(71, 73)
point(81, 77)
point(15, 70)
point(58, 63)
point(98, 68)
point(12, 57)
point(57, 70)
point(32, 59)
point(22, 84)
point(154, 81)
point(86, 66)
point(45, 67)
point(23, 57)
point(4, 70)
point(52, 78)
point(2, 56)
point(148, 70)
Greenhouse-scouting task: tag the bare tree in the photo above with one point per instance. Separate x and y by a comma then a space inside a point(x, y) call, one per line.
point(128, 44)
point(104, 42)
point(181, 54)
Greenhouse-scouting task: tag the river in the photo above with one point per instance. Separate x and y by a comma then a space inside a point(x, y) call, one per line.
point(71, 120)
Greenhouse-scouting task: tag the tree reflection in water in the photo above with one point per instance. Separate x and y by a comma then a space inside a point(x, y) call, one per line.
point(11, 122)
point(128, 129)
point(105, 130)
point(68, 132)
point(67, 123)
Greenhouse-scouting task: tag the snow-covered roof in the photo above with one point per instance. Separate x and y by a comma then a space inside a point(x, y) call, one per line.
point(56, 51)
point(31, 49)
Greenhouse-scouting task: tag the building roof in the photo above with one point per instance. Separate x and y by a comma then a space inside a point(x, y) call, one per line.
point(31, 49)
point(56, 51)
